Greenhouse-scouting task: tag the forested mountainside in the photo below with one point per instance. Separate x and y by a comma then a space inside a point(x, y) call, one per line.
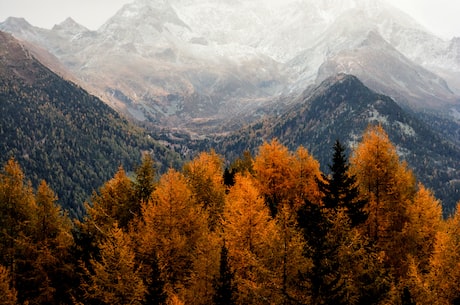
point(340, 109)
point(60, 133)
point(270, 230)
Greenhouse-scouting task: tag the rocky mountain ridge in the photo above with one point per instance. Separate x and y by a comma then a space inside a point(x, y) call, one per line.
point(195, 64)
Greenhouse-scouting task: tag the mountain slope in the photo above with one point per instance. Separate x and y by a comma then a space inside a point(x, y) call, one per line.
point(190, 64)
point(60, 133)
point(341, 108)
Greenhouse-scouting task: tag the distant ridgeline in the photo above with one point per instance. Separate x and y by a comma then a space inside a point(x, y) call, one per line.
point(60, 133)
point(342, 108)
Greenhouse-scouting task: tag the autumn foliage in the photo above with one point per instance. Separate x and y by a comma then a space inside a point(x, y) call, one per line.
point(273, 230)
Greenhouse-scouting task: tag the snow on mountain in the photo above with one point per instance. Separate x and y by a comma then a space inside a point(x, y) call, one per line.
point(70, 27)
point(199, 60)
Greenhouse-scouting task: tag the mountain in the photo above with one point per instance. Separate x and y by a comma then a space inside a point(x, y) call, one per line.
point(341, 107)
point(208, 67)
point(60, 133)
point(197, 64)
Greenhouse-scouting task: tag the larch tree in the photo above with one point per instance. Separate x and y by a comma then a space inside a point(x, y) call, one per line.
point(50, 258)
point(205, 178)
point(389, 187)
point(18, 207)
point(205, 268)
point(250, 234)
point(306, 173)
point(114, 277)
point(444, 273)
point(116, 201)
point(144, 182)
point(8, 295)
point(243, 164)
point(424, 222)
point(274, 173)
point(171, 228)
point(290, 261)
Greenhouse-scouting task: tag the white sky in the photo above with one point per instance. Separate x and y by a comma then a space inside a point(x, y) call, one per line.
point(441, 17)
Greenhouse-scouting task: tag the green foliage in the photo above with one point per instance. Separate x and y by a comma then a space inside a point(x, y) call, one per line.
point(340, 189)
point(60, 133)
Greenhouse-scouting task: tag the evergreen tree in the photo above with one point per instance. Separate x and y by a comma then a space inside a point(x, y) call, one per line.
point(224, 285)
point(406, 298)
point(229, 177)
point(315, 226)
point(145, 179)
point(155, 294)
point(340, 188)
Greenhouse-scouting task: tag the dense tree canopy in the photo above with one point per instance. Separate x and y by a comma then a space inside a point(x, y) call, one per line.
point(281, 232)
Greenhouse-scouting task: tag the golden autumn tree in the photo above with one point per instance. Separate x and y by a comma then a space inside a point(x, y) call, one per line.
point(205, 178)
point(274, 173)
point(49, 253)
point(284, 177)
point(18, 209)
point(424, 222)
point(443, 278)
point(306, 173)
point(8, 295)
point(389, 187)
point(114, 277)
point(112, 204)
point(171, 229)
point(250, 235)
point(205, 268)
point(289, 261)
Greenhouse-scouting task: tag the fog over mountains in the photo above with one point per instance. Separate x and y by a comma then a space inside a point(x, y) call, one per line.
point(195, 64)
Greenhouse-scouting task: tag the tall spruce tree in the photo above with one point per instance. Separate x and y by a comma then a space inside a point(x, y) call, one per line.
point(224, 284)
point(315, 226)
point(145, 181)
point(340, 188)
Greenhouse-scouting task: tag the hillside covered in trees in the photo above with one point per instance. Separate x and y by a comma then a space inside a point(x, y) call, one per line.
point(59, 132)
point(271, 229)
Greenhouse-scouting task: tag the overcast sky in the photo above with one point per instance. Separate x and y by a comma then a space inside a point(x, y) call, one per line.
point(441, 17)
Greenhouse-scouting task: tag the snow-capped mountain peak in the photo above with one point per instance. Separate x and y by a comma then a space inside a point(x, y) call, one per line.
point(187, 58)
point(70, 26)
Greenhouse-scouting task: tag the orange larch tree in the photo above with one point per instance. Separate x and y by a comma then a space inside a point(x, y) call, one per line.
point(114, 277)
point(205, 177)
point(251, 237)
point(171, 228)
point(389, 187)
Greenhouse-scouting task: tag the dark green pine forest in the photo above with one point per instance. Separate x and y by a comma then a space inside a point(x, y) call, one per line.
point(60, 133)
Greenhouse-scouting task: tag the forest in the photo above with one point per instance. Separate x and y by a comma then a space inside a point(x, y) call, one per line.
point(266, 229)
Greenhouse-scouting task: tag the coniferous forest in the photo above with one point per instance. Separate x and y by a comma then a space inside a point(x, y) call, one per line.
point(269, 229)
